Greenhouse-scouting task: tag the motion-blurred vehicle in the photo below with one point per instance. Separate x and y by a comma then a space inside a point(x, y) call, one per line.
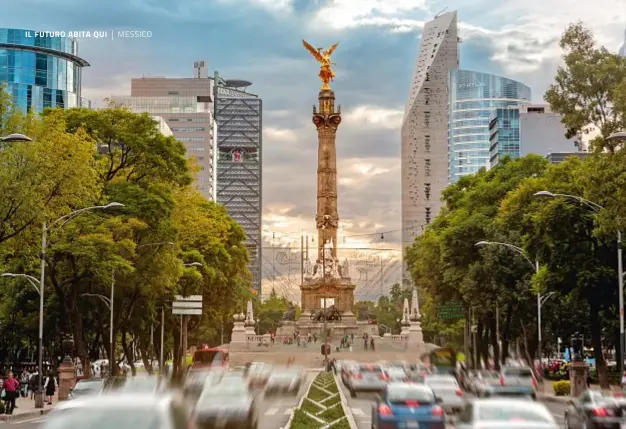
point(121, 411)
point(284, 381)
point(516, 381)
point(150, 384)
point(505, 413)
point(113, 383)
point(195, 381)
point(409, 406)
point(485, 383)
point(227, 404)
point(367, 378)
point(448, 390)
point(347, 369)
point(596, 409)
point(441, 360)
point(396, 374)
point(86, 387)
point(258, 374)
point(209, 357)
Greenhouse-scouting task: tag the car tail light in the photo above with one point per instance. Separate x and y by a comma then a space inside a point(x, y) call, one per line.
point(412, 403)
point(438, 412)
point(384, 410)
point(602, 412)
point(501, 381)
point(534, 383)
point(384, 376)
point(624, 374)
point(459, 392)
point(357, 376)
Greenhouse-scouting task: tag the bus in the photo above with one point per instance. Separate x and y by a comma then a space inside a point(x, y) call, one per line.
point(207, 357)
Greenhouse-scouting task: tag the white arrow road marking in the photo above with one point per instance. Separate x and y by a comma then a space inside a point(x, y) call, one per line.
point(357, 412)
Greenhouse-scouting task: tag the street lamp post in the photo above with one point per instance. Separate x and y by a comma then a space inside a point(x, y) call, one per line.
point(63, 220)
point(540, 298)
point(597, 208)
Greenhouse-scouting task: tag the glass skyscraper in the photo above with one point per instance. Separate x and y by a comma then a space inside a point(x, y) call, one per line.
point(40, 71)
point(472, 99)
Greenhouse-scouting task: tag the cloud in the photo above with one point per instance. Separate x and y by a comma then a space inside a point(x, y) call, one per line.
point(279, 134)
point(376, 117)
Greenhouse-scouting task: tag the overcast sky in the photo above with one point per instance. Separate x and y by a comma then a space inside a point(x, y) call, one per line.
point(260, 41)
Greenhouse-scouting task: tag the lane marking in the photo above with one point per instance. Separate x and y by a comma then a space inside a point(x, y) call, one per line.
point(271, 412)
point(357, 412)
point(289, 412)
point(37, 420)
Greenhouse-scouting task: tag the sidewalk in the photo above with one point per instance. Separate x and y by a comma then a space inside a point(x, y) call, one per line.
point(26, 410)
point(546, 392)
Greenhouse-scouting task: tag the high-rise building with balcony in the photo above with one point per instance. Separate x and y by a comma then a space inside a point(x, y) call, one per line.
point(186, 107)
point(40, 70)
point(473, 96)
point(424, 159)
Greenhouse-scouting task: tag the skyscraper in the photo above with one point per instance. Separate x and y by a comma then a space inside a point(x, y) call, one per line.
point(186, 106)
point(424, 162)
point(41, 71)
point(238, 115)
point(622, 50)
point(473, 96)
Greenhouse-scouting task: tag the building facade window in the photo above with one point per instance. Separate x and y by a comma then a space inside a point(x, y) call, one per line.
point(427, 190)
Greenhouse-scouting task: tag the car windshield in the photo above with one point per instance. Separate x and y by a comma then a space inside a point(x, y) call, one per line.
point(422, 395)
point(83, 386)
point(441, 381)
point(143, 384)
point(370, 368)
point(518, 372)
point(489, 374)
point(105, 418)
point(228, 386)
point(513, 411)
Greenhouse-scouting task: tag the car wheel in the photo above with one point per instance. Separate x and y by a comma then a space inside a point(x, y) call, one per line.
point(534, 396)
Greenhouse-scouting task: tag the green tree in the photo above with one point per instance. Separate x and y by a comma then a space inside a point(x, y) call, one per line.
point(587, 88)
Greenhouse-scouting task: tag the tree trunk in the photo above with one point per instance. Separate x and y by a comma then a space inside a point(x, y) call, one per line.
point(145, 358)
point(485, 342)
point(494, 343)
point(506, 332)
point(596, 341)
point(80, 344)
point(479, 340)
point(616, 341)
point(128, 353)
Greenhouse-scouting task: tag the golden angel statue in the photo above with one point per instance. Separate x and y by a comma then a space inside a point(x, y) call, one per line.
point(323, 57)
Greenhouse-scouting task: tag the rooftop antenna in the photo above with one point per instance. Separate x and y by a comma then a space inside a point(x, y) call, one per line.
point(441, 12)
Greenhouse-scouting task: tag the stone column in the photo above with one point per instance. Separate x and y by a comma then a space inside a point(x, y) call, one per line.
point(578, 372)
point(67, 372)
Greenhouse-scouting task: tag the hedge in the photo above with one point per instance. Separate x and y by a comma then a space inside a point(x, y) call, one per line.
point(562, 388)
point(322, 406)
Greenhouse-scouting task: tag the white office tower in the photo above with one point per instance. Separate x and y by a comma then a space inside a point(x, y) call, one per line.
point(622, 50)
point(425, 126)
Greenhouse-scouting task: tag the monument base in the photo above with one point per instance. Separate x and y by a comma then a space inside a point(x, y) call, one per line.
point(67, 378)
point(239, 334)
point(578, 372)
point(416, 338)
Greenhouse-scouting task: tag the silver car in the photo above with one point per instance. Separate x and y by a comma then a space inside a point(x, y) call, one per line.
point(227, 404)
point(121, 411)
point(367, 378)
point(286, 380)
point(446, 389)
point(506, 413)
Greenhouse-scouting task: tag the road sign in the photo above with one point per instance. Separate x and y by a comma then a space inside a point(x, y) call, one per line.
point(189, 298)
point(187, 305)
point(187, 311)
point(451, 310)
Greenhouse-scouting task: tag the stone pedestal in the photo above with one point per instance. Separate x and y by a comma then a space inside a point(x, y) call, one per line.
point(286, 329)
point(239, 334)
point(249, 329)
point(67, 378)
point(578, 372)
point(416, 337)
point(405, 329)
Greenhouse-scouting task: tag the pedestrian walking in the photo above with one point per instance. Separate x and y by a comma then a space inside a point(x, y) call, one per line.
point(11, 389)
point(33, 383)
point(50, 387)
point(24, 379)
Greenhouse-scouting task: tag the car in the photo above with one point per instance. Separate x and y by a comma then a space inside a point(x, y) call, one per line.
point(258, 374)
point(122, 411)
point(516, 381)
point(195, 381)
point(485, 383)
point(286, 380)
point(396, 374)
point(448, 390)
point(509, 413)
point(596, 409)
point(86, 387)
point(367, 378)
point(347, 369)
point(143, 385)
point(410, 406)
point(227, 404)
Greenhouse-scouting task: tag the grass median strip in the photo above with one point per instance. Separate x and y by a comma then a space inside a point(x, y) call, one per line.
point(322, 408)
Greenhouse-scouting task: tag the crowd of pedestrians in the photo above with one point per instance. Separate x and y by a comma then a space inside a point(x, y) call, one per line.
point(24, 383)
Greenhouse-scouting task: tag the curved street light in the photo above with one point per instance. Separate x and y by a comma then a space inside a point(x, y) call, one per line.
point(597, 208)
point(541, 299)
point(32, 280)
point(15, 137)
point(194, 264)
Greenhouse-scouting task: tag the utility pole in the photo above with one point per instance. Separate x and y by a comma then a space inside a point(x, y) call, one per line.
point(161, 361)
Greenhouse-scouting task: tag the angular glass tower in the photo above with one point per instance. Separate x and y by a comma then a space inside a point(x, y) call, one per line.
point(473, 97)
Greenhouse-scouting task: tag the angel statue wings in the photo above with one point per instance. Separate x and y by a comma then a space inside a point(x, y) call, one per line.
point(323, 57)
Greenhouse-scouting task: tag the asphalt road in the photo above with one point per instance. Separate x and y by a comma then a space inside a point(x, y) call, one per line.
point(361, 408)
point(274, 411)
